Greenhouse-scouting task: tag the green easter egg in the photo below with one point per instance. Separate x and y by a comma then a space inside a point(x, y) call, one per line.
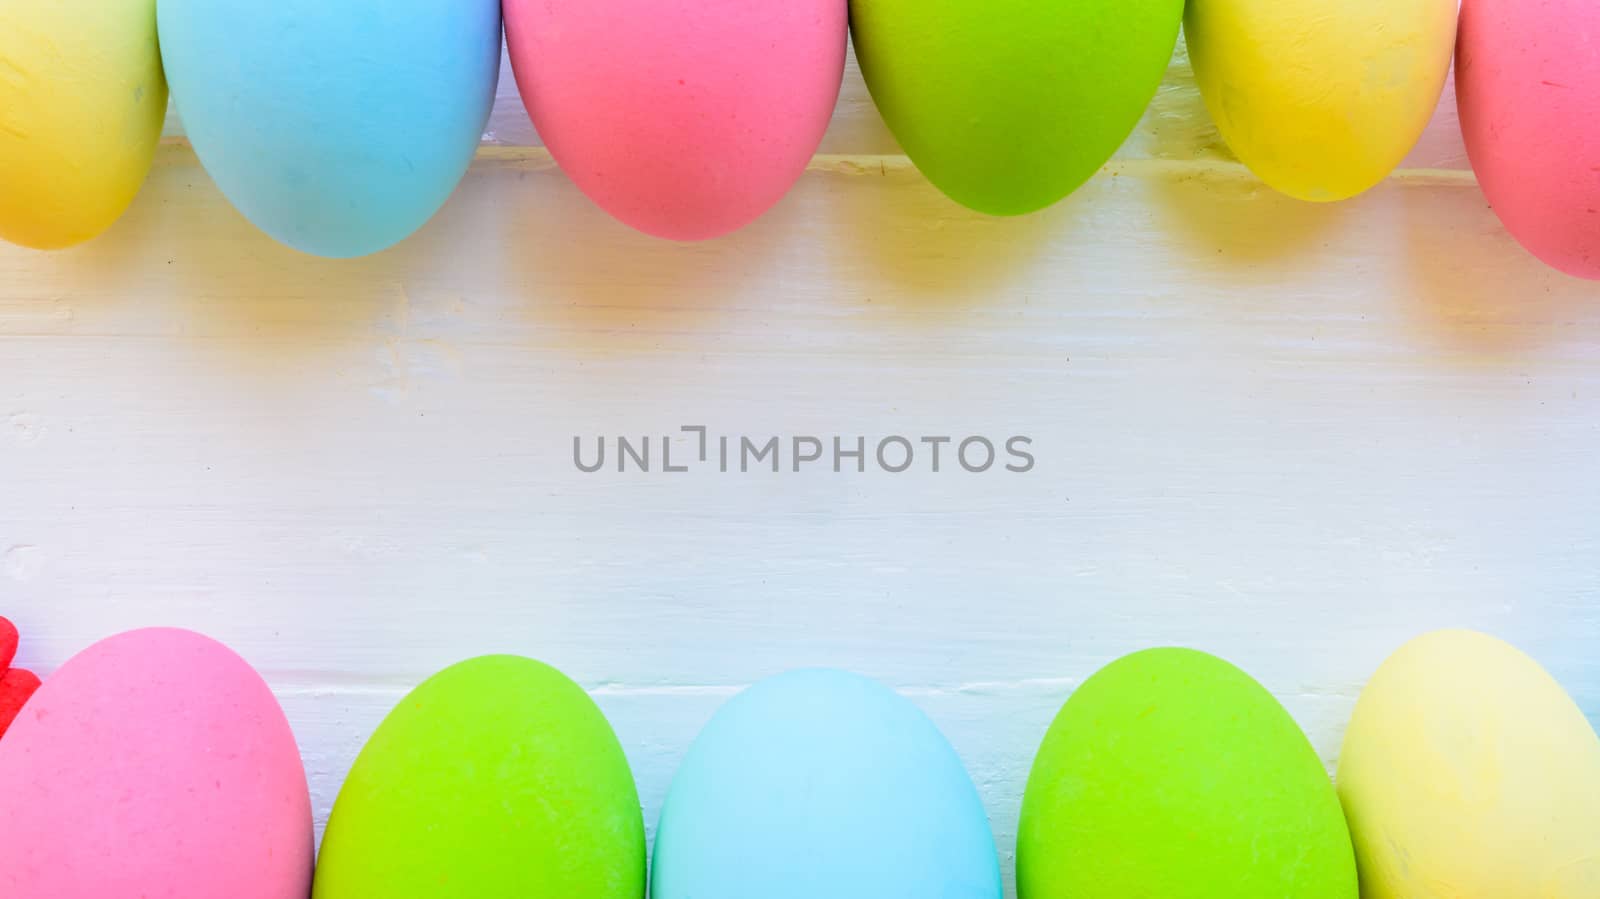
point(1172, 773)
point(496, 777)
point(1010, 105)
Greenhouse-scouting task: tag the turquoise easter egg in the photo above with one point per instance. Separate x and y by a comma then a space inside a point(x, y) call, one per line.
point(823, 784)
point(339, 128)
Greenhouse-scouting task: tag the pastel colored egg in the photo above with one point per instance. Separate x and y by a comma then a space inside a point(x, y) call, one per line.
point(496, 777)
point(821, 783)
point(82, 100)
point(1468, 773)
point(339, 128)
point(154, 763)
point(686, 119)
point(1009, 105)
point(1172, 773)
point(1322, 99)
point(1527, 79)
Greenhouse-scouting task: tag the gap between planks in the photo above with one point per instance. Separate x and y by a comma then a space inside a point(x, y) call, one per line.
point(333, 685)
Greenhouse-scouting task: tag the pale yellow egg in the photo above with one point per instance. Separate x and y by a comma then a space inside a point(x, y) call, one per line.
point(1322, 99)
point(1468, 773)
point(82, 99)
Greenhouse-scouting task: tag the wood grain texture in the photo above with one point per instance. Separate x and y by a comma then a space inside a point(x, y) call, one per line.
point(1292, 435)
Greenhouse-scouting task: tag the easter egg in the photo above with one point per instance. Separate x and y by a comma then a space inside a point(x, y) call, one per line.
point(339, 128)
point(821, 783)
point(1467, 772)
point(1172, 773)
point(1527, 79)
point(1322, 99)
point(154, 763)
point(1009, 105)
point(496, 777)
point(686, 119)
point(82, 99)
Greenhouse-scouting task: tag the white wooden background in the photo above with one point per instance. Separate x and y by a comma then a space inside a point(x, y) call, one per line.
point(1293, 435)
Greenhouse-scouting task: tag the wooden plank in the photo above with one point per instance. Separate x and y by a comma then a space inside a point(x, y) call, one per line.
point(1242, 404)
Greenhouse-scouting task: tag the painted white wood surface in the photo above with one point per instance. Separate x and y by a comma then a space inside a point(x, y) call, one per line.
point(1293, 435)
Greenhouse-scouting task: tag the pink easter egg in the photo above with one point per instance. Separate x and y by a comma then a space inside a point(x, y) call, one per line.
point(1528, 89)
point(686, 119)
point(155, 763)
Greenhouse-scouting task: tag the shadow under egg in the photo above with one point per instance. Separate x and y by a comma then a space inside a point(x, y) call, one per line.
point(565, 263)
point(888, 229)
point(1473, 285)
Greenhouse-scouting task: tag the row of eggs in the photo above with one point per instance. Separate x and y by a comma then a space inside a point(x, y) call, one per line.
point(158, 763)
point(340, 128)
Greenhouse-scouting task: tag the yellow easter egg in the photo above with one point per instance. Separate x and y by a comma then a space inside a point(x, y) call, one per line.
point(82, 99)
point(1322, 99)
point(1468, 773)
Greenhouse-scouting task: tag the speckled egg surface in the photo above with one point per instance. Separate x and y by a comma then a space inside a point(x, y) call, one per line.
point(1009, 105)
point(821, 783)
point(339, 128)
point(496, 777)
point(1322, 99)
point(154, 763)
point(82, 99)
point(1528, 88)
point(1468, 773)
point(686, 119)
point(1172, 773)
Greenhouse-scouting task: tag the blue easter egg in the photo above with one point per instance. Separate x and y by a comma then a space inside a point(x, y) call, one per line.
point(823, 785)
point(337, 126)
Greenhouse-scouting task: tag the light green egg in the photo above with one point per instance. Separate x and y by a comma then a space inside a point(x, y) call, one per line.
point(1172, 773)
point(496, 777)
point(1009, 105)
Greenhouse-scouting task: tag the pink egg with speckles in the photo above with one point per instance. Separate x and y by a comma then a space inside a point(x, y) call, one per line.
point(155, 763)
point(686, 119)
point(1528, 87)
